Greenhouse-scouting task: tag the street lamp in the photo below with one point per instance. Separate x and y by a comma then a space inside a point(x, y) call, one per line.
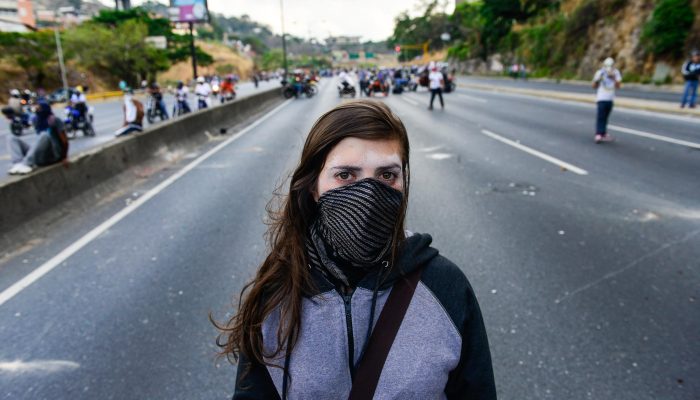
point(284, 41)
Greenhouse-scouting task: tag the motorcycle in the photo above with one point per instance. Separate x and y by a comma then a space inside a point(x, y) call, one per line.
point(228, 96)
point(450, 86)
point(377, 86)
point(18, 122)
point(79, 121)
point(153, 111)
point(288, 91)
point(345, 88)
point(309, 87)
point(202, 101)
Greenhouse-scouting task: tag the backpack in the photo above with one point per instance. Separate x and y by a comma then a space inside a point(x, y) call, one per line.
point(139, 112)
point(57, 129)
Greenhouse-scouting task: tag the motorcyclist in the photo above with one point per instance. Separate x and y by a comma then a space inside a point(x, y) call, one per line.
point(157, 94)
point(345, 79)
point(227, 89)
point(215, 86)
point(15, 102)
point(203, 91)
point(79, 102)
point(181, 97)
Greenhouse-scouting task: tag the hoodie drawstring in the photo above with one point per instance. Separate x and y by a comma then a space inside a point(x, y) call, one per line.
point(373, 308)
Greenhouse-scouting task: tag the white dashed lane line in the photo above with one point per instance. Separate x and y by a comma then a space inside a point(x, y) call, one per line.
point(654, 136)
point(536, 153)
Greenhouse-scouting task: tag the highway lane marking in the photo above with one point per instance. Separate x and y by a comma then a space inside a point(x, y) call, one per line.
point(407, 100)
point(49, 265)
point(536, 153)
point(472, 98)
point(654, 136)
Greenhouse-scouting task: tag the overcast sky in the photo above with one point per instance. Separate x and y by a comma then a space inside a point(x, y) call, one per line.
point(371, 19)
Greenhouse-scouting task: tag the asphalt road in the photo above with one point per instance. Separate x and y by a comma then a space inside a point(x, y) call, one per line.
point(635, 91)
point(587, 274)
point(109, 117)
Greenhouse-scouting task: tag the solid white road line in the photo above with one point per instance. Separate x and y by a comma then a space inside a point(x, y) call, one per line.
point(655, 114)
point(654, 136)
point(45, 268)
point(472, 98)
point(406, 99)
point(536, 153)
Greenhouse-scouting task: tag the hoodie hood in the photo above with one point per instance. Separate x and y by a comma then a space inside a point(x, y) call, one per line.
point(414, 252)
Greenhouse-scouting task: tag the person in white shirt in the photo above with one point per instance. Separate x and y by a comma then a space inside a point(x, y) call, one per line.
point(78, 100)
point(202, 91)
point(133, 114)
point(435, 84)
point(606, 80)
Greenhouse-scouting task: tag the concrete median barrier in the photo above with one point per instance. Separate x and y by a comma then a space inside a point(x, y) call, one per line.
point(26, 197)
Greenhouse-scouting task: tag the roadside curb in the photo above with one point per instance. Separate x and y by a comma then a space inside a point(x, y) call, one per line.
point(645, 105)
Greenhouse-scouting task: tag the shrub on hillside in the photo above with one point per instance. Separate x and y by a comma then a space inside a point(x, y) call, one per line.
point(667, 30)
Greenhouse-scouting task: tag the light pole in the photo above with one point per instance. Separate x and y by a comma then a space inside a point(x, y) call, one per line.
point(59, 51)
point(284, 41)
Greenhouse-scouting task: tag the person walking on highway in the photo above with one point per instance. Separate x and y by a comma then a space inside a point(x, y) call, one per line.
point(436, 83)
point(346, 295)
point(691, 74)
point(606, 80)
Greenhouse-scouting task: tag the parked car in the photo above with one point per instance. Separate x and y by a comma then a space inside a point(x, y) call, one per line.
point(59, 96)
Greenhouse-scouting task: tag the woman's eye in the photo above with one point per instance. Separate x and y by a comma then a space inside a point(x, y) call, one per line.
point(388, 175)
point(343, 175)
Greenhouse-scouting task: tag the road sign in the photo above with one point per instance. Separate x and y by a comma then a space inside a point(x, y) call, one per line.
point(188, 11)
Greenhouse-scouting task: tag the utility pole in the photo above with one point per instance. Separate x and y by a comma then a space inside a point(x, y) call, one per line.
point(192, 50)
point(59, 50)
point(284, 42)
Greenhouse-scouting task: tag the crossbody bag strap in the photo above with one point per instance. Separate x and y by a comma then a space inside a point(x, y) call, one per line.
point(370, 366)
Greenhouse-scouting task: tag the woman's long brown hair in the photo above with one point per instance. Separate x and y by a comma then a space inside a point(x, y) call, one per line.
point(284, 278)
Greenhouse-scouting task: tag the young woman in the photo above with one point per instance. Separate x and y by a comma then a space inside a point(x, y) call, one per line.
point(338, 249)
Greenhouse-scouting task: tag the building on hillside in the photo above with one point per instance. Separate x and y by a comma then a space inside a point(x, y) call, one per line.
point(17, 16)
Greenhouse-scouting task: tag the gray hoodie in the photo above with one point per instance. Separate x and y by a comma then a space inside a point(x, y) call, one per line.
point(440, 352)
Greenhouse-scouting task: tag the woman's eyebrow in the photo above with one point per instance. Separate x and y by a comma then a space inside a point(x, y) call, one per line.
point(348, 167)
point(389, 166)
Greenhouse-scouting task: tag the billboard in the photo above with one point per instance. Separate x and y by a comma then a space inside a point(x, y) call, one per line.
point(188, 11)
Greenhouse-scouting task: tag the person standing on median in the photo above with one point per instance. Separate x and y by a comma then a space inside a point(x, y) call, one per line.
point(605, 81)
point(436, 82)
point(346, 294)
point(691, 74)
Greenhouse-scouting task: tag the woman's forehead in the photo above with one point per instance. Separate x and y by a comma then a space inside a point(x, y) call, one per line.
point(356, 151)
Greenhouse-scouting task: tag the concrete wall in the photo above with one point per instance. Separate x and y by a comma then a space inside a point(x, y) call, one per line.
point(27, 197)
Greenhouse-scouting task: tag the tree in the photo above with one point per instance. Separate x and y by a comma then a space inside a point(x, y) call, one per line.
point(271, 60)
point(668, 28)
point(120, 52)
point(34, 52)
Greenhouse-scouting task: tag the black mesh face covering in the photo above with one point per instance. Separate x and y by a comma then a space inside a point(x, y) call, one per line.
point(358, 220)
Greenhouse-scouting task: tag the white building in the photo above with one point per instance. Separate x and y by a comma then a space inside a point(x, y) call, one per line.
point(16, 16)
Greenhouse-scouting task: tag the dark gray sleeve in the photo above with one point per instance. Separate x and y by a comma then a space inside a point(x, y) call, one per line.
point(473, 377)
point(253, 381)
